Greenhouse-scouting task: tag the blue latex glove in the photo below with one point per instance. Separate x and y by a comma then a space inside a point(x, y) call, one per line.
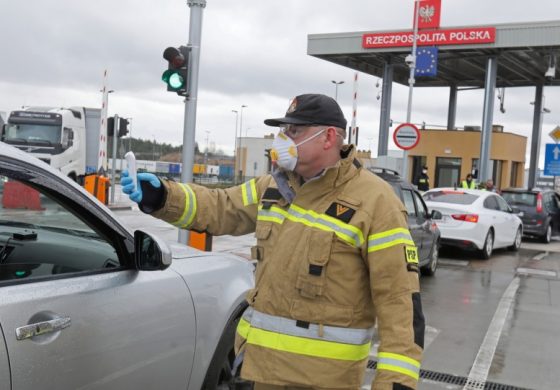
point(144, 179)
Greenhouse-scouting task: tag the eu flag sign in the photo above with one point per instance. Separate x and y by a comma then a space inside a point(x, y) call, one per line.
point(426, 61)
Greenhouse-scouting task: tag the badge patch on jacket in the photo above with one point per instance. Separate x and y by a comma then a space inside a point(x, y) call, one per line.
point(340, 212)
point(411, 255)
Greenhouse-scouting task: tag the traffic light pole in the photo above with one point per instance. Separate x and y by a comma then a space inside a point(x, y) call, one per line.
point(116, 128)
point(411, 81)
point(195, 32)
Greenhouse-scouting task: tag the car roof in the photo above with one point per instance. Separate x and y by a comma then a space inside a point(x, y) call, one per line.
point(525, 190)
point(391, 176)
point(481, 193)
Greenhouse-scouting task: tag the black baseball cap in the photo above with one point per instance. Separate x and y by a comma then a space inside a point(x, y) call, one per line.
point(311, 109)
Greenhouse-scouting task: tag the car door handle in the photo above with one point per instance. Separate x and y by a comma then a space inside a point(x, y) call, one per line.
point(43, 327)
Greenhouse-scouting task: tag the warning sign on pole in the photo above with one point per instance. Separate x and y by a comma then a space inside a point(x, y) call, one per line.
point(406, 136)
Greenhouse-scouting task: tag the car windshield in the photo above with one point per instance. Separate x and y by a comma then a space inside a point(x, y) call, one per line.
point(455, 197)
point(520, 198)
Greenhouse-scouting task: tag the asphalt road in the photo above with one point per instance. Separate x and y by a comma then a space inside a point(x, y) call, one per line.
point(490, 323)
point(494, 321)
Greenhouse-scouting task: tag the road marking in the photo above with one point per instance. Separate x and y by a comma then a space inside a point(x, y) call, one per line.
point(458, 263)
point(479, 371)
point(539, 272)
point(540, 256)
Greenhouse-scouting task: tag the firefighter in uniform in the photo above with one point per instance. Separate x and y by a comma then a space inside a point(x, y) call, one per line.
point(423, 180)
point(334, 255)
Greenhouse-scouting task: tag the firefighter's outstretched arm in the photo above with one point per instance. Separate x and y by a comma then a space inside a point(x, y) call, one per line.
point(190, 206)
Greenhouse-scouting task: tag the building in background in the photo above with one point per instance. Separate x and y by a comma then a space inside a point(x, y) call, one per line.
point(252, 156)
point(451, 154)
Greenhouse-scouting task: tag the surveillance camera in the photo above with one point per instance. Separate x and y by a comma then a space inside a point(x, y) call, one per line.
point(410, 60)
point(550, 73)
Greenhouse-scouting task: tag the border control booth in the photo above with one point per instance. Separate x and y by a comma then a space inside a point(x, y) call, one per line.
point(469, 57)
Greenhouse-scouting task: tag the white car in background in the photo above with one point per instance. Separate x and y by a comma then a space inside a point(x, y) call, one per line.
point(475, 219)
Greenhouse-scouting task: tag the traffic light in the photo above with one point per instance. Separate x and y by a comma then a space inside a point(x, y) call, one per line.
point(123, 127)
point(176, 74)
point(110, 126)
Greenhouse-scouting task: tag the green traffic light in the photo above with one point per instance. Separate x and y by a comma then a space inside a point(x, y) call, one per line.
point(173, 79)
point(176, 81)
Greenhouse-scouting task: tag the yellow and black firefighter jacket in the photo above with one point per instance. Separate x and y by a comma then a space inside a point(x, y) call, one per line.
point(334, 254)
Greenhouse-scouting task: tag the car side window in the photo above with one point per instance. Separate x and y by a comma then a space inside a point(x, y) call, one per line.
point(408, 201)
point(556, 201)
point(420, 206)
point(550, 201)
point(502, 204)
point(546, 201)
point(40, 237)
point(491, 203)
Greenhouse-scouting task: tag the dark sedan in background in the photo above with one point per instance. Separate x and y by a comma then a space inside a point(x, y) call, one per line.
point(423, 229)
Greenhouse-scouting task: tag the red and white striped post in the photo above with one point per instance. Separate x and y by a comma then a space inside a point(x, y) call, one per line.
point(102, 155)
point(354, 130)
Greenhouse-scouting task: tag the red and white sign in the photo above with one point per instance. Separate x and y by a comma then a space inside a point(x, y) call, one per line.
point(406, 136)
point(456, 36)
point(429, 14)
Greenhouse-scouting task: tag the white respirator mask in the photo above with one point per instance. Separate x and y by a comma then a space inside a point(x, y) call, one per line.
point(284, 150)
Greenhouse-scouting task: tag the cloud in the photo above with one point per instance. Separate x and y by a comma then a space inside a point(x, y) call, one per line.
point(252, 53)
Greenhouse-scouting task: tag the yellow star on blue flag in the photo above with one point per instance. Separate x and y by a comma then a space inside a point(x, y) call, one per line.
point(426, 61)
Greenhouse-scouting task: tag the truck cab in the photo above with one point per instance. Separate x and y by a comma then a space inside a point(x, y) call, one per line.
point(54, 135)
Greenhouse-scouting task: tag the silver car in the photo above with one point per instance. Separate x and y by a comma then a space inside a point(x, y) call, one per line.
point(86, 304)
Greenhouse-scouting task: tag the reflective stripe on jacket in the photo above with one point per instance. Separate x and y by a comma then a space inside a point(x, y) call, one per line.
point(284, 334)
point(329, 264)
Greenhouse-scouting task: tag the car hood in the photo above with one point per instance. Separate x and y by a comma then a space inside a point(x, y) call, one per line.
point(180, 251)
point(183, 252)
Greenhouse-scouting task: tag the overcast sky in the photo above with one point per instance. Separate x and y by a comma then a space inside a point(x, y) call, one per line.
point(252, 53)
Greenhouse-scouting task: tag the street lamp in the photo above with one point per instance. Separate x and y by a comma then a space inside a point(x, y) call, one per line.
point(544, 110)
point(240, 130)
point(206, 152)
point(235, 144)
point(154, 148)
point(336, 84)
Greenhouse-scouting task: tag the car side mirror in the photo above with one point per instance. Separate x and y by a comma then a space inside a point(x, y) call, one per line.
point(435, 214)
point(516, 210)
point(150, 253)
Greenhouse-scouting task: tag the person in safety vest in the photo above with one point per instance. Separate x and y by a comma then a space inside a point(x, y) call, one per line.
point(334, 256)
point(469, 183)
point(423, 180)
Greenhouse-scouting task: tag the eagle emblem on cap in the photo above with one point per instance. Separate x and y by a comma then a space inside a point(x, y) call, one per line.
point(292, 107)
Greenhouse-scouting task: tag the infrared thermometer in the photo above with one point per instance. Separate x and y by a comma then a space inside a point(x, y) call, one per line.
point(131, 164)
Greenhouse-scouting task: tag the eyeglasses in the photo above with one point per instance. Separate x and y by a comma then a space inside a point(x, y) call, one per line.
point(294, 131)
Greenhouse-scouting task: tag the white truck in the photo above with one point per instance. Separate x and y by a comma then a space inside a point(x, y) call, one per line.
point(65, 138)
point(3, 118)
